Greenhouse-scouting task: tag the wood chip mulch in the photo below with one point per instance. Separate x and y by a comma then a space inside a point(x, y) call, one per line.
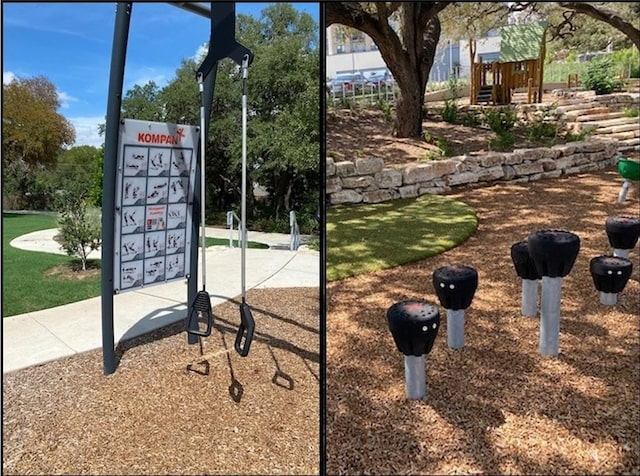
point(172, 408)
point(496, 406)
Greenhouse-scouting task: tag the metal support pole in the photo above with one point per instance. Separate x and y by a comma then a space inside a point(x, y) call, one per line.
point(414, 377)
point(622, 196)
point(621, 253)
point(529, 297)
point(550, 315)
point(608, 299)
point(455, 328)
point(114, 100)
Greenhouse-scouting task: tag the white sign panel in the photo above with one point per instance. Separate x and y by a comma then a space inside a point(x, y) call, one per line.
point(154, 198)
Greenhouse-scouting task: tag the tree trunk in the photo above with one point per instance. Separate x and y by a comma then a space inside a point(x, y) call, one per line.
point(409, 59)
point(408, 120)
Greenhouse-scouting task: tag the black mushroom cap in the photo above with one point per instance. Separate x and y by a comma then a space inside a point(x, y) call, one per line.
point(414, 325)
point(623, 232)
point(610, 273)
point(554, 252)
point(455, 285)
point(525, 267)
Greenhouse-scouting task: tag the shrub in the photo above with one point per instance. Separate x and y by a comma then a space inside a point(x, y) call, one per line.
point(502, 142)
point(501, 119)
point(449, 112)
point(627, 61)
point(599, 77)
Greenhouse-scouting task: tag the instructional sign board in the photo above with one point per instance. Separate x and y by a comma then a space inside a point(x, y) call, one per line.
point(154, 202)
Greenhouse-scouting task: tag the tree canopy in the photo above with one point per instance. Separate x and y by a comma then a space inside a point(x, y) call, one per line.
point(32, 129)
point(33, 136)
point(283, 147)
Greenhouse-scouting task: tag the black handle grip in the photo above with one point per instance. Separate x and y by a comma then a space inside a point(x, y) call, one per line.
point(245, 331)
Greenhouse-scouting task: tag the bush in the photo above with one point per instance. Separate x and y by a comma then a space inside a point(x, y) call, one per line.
point(502, 119)
point(599, 76)
point(627, 61)
point(502, 142)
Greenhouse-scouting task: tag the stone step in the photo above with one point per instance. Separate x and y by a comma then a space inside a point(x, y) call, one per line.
point(612, 122)
point(576, 104)
point(622, 135)
point(590, 111)
point(604, 116)
point(632, 126)
point(629, 145)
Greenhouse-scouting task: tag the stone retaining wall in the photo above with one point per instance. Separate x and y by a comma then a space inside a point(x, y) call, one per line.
point(368, 181)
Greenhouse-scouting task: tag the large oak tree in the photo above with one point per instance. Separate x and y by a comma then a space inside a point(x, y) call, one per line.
point(408, 50)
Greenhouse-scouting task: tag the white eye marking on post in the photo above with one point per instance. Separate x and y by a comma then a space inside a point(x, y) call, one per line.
point(424, 328)
point(609, 272)
point(619, 273)
point(452, 286)
point(435, 325)
point(442, 285)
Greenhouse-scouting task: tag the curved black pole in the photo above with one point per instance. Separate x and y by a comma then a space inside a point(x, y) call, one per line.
point(114, 101)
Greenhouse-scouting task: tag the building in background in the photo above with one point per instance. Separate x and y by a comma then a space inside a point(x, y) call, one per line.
point(351, 51)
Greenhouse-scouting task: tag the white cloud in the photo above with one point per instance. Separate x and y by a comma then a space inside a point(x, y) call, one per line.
point(141, 76)
point(7, 77)
point(65, 99)
point(201, 52)
point(87, 130)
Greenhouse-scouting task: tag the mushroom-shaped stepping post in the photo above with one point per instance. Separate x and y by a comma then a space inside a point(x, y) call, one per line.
point(630, 172)
point(414, 325)
point(526, 269)
point(554, 253)
point(610, 275)
point(455, 286)
point(623, 233)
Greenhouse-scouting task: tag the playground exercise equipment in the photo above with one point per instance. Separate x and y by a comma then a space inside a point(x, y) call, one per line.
point(610, 275)
point(247, 325)
point(623, 233)
point(526, 270)
point(455, 286)
point(630, 172)
point(554, 253)
point(222, 44)
point(414, 325)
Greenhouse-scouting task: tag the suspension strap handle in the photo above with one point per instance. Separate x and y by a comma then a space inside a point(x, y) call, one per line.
point(244, 337)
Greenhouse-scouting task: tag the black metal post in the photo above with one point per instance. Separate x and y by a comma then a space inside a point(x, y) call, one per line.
point(114, 100)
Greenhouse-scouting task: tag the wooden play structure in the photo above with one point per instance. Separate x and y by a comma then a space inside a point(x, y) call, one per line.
point(520, 65)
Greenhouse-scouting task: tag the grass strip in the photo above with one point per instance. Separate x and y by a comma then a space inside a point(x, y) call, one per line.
point(366, 238)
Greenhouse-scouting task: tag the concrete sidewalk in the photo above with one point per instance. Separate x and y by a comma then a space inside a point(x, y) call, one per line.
point(37, 337)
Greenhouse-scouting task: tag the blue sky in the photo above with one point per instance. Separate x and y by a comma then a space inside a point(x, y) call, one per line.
point(70, 44)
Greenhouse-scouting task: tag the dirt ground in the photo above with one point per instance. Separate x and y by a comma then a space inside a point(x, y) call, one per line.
point(364, 132)
point(496, 406)
point(171, 408)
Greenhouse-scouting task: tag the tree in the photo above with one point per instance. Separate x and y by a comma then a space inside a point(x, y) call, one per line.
point(408, 50)
point(80, 228)
point(141, 102)
point(32, 130)
point(589, 26)
point(610, 16)
point(283, 147)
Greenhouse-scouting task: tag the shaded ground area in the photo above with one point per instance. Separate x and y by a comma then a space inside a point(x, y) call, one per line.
point(496, 406)
point(171, 408)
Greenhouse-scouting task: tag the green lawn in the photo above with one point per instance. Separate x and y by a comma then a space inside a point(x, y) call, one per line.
point(25, 284)
point(366, 238)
